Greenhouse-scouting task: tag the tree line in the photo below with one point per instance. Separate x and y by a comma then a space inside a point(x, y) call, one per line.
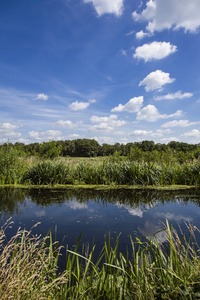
point(91, 148)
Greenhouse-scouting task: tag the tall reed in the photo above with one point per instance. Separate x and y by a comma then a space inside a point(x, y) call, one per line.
point(152, 270)
point(12, 167)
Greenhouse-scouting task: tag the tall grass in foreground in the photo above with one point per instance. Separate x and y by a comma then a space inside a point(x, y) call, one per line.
point(28, 267)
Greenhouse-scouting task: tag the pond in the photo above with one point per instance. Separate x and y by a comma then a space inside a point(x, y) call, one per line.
point(98, 213)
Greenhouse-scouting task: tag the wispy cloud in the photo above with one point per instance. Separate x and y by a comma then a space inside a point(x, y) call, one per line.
point(41, 97)
point(179, 123)
point(172, 96)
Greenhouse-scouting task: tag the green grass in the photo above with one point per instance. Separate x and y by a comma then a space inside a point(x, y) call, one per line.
point(111, 171)
point(152, 270)
point(12, 167)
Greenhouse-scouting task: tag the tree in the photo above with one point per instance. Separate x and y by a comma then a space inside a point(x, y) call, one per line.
point(50, 149)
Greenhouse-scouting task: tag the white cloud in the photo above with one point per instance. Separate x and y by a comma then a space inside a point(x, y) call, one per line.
point(96, 119)
point(133, 105)
point(169, 14)
point(69, 124)
point(149, 229)
point(140, 132)
point(174, 217)
point(7, 131)
point(73, 136)
point(177, 95)
point(151, 114)
point(180, 123)
point(154, 51)
point(141, 34)
point(76, 205)
point(107, 6)
point(79, 105)
point(166, 140)
point(111, 121)
point(192, 133)
point(105, 123)
point(104, 140)
point(101, 127)
point(46, 135)
point(150, 134)
point(8, 126)
point(42, 97)
point(156, 80)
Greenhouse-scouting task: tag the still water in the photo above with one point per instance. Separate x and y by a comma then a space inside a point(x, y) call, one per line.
point(96, 213)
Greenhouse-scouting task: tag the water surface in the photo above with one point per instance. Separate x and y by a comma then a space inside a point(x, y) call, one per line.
point(138, 213)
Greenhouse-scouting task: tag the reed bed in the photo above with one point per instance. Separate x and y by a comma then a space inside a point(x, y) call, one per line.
point(124, 172)
point(152, 270)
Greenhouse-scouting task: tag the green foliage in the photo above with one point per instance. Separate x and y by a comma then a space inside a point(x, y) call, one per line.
point(47, 173)
point(50, 149)
point(152, 270)
point(12, 167)
point(114, 171)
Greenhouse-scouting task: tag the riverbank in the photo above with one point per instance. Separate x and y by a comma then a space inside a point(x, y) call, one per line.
point(100, 187)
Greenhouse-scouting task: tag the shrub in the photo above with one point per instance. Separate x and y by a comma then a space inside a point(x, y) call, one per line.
point(12, 168)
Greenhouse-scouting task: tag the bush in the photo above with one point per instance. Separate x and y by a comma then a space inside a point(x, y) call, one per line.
point(12, 167)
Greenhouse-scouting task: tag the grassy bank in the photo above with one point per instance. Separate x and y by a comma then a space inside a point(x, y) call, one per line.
point(112, 171)
point(29, 269)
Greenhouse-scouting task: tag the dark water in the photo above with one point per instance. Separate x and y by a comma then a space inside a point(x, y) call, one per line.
point(138, 213)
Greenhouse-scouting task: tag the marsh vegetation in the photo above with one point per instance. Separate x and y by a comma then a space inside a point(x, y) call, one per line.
point(138, 168)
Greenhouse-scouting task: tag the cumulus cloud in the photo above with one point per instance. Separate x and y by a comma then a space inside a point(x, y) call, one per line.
point(154, 51)
point(156, 80)
point(180, 123)
point(192, 133)
point(79, 105)
point(106, 123)
point(177, 95)
point(133, 105)
point(69, 124)
point(151, 114)
point(149, 133)
point(96, 119)
point(7, 130)
point(8, 126)
point(140, 132)
point(107, 6)
point(46, 135)
point(42, 97)
point(169, 14)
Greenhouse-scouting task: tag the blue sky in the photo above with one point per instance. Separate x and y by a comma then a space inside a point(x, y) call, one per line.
point(113, 70)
